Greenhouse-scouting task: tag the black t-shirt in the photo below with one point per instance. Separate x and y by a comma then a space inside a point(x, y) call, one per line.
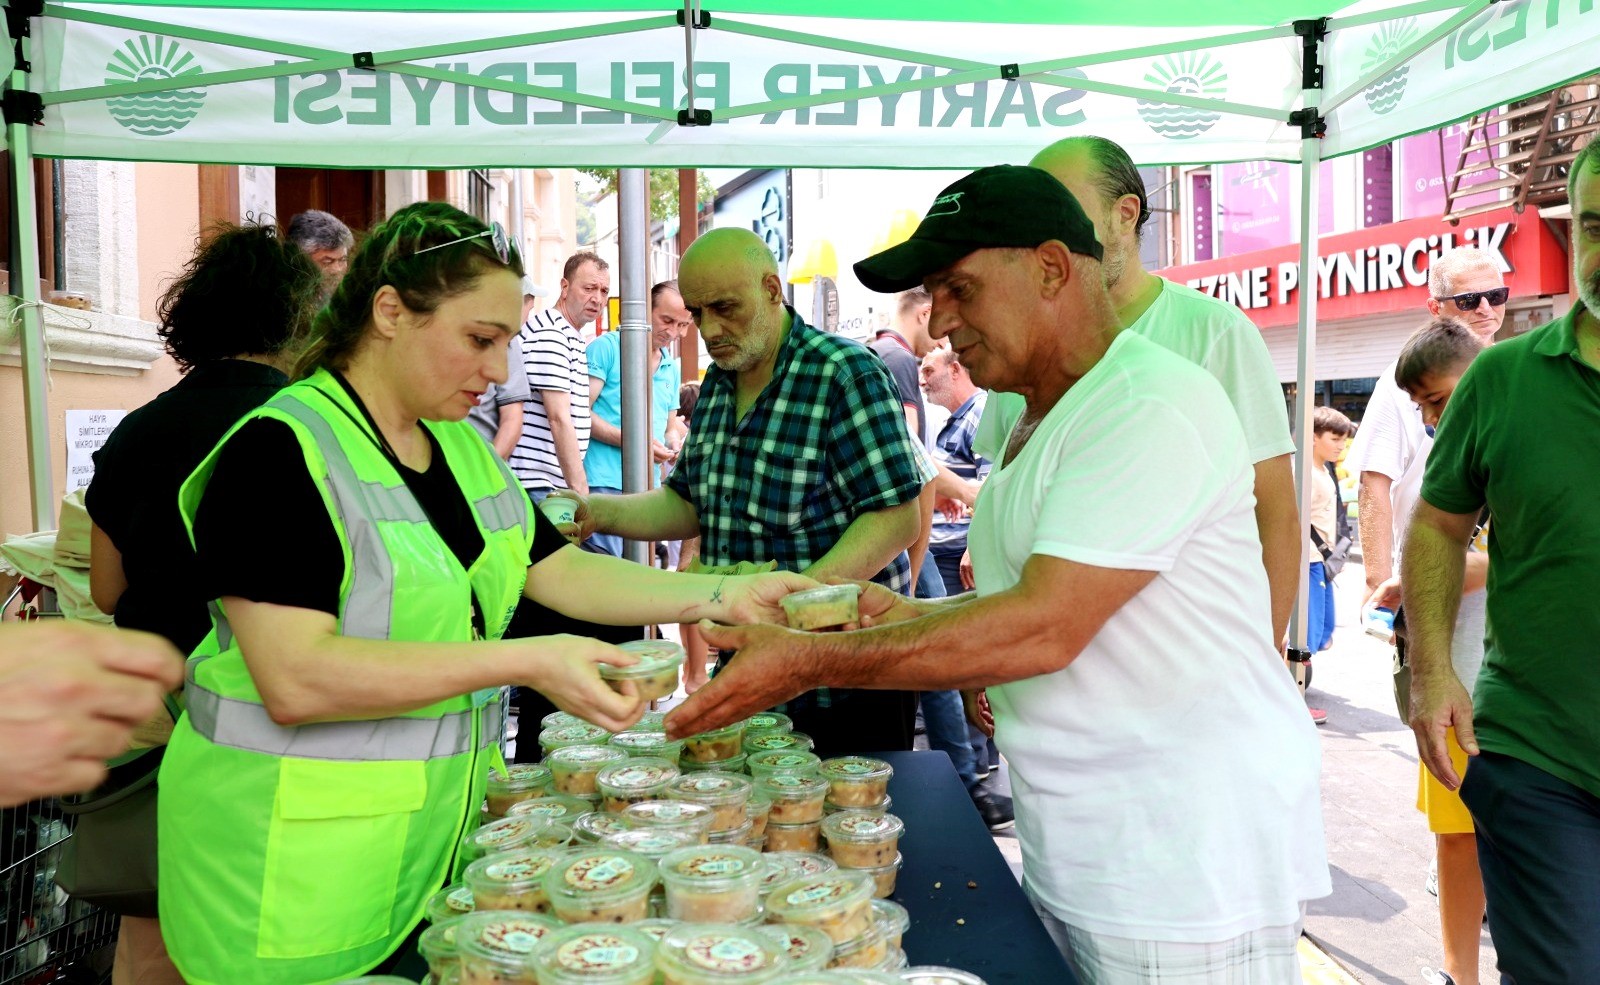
point(906, 371)
point(262, 531)
point(134, 495)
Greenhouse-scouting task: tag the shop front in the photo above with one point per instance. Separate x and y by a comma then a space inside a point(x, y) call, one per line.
point(1373, 291)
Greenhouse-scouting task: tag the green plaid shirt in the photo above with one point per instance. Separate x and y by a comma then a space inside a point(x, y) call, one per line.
point(824, 443)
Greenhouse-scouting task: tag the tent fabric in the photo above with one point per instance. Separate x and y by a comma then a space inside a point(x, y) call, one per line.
point(896, 84)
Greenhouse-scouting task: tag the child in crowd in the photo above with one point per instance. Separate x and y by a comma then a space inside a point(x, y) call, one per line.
point(1331, 430)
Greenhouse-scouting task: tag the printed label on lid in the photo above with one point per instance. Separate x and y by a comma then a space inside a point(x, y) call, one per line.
point(761, 722)
point(864, 824)
point(504, 832)
point(717, 952)
point(786, 761)
point(853, 767)
point(512, 936)
point(596, 872)
point(712, 865)
point(519, 869)
point(571, 733)
point(708, 784)
point(797, 946)
point(791, 782)
point(811, 865)
point(596, 952)
point(460, 900)
point(817, 893)
point(552, 809)
point(640, 776)
point(783, 740)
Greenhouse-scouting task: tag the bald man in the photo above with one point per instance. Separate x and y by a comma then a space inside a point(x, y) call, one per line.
point(799, 453)
point(1212, 334)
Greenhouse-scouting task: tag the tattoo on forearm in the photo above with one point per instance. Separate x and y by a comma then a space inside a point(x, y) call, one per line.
point(716, 593)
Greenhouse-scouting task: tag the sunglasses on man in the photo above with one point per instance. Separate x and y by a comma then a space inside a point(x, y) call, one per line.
point(1469, 301)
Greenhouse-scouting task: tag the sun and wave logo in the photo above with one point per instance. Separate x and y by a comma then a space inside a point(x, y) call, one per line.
point(1192, 73)
point(153, 114)
point(1390, 39)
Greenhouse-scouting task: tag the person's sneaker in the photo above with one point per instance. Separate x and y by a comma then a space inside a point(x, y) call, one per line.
point(994, 809)
point(1432, 885)
point(1432, 977)
point(1318, 716)
point(981, 771)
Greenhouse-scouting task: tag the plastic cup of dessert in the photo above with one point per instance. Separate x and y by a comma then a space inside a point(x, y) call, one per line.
point(805, 837)
point(716, 745)
point(764, 722)
point(559, 719)
point(581, 734)
point(558, 835)
point(503, 835)
point(829, 807)
point(725, 793)
point(675, 814)
point(558, 509)
point(856, 781)
point(712, 883)
point(892, 919)
point(589, 828)
point(807, 948)
point(654, 928)
point(573, 768)
point(869, 950)
point(796, 799)
point(437, 945)
point(822, 608)
point(733, 836)
point(590, 955)
point(656, 673)
point(838, 903)
point(452, 901)
point(558, 808)
point(783, 762)
point(767, 741)
point(758, 811)
point(785, 867)
point(601, 885)
point(651, 743)
point(524, 781)
point(861, 840)
point(734, 765)
point(929, 974)
point(497, 947)
point(884, 877)
point(633, 781)
point(713, 953)
point(512, 880)
point(652, 843)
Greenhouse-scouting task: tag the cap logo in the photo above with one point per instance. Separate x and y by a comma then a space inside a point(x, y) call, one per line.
point(946, 205)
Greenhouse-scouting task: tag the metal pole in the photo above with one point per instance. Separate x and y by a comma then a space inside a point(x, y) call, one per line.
point(1305, 375)
point(517, 218)
point(633, 234)
point(25, 283)
point(688, 229)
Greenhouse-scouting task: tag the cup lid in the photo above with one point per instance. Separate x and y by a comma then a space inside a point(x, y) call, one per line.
point(644, 739)
point(826, 893)
point(521, 776)
point(712, 865)
point(594, 952)
point(792, 786)
point(805, 946)
point(593, 826)
point(711, 787)
point(784, 761)
point(768, 721)
point(583, 757)
point(670, 813)
point(579, 734)
point(555, 807)
point(650, 842)
point(721, 951)
point(510, 869)
point(503, 936)
point(848, 768)
point(861, 827)
point(637, 773)
point(764, 741)
point(601, 872)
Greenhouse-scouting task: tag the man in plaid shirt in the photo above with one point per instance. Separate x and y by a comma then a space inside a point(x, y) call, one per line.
point(798, 453)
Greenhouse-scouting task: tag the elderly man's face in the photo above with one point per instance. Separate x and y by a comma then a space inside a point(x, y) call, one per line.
point(333, 264)
point(1485, 319)
point(1586, 240)
point(739, 312)
point(669, 319)
point(982, 304)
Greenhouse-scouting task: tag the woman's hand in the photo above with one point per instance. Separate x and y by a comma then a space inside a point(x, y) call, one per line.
point(583, 522)
point(745, 599)
point(565, 669)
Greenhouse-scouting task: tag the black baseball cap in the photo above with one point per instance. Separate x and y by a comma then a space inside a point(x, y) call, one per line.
point(1002, 206)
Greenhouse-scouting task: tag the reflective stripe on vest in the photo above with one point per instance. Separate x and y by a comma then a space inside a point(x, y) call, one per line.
point(503, 511)
point(246, 725)
point(360, 505)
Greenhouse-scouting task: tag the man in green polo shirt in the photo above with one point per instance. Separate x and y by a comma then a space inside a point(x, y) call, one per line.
point(1522, 436)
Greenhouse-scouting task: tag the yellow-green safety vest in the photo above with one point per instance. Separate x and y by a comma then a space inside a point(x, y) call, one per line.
point(304, 854)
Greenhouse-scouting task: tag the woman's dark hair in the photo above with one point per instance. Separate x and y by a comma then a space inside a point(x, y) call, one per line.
point(399, 252)
point(1442, 345)
point(245, 292)
point(688, 396)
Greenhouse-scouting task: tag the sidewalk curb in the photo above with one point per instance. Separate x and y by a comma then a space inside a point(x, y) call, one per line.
point(1316, 968)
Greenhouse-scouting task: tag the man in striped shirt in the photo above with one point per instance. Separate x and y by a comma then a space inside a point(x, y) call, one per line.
point(555, 425)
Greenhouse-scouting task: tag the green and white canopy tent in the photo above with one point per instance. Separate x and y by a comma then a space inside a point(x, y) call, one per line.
point(754, 83)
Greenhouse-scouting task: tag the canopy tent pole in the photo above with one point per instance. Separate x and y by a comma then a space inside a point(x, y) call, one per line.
point(633, 236)
point(1311, 129)
point(20, 107)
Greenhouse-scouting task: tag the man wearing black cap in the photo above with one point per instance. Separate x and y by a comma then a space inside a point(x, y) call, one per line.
point(1165, 772)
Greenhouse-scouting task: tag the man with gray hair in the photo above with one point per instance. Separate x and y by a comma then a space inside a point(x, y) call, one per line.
point(327, 241)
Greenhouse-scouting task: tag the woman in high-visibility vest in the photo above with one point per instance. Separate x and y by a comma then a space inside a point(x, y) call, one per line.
point(365, 548)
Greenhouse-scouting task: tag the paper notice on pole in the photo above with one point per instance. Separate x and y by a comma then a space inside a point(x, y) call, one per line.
point(87, 430)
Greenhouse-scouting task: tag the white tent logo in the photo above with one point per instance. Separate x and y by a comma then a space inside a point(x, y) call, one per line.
point(1385, 94)
point(1192, 73)
point(153, 114)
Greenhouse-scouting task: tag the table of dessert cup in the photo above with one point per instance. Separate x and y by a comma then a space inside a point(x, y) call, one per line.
point(967, 909)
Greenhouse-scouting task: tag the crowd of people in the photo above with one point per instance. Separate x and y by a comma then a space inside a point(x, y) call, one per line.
point(1093, 560)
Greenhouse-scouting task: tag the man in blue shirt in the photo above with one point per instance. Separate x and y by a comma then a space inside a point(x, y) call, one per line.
point(602, 463)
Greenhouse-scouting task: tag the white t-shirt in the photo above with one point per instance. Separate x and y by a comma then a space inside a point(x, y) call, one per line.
point(1213, 335)
point(1392, 440)
point(1166, 780)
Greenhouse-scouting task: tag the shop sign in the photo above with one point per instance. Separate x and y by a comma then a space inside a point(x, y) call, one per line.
point(1371, 271)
